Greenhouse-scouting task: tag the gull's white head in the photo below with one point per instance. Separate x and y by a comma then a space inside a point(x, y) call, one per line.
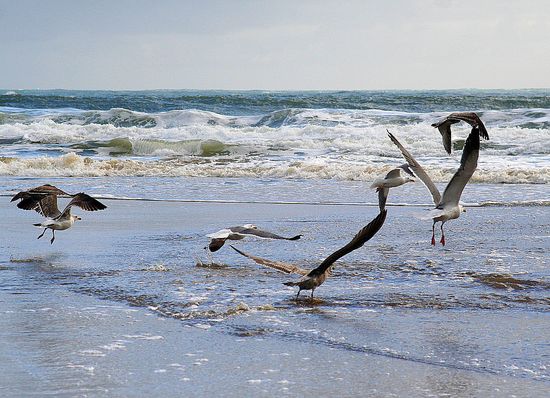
point(410, 179)
point(462, 208)
point(251, 226)
point(76, 218)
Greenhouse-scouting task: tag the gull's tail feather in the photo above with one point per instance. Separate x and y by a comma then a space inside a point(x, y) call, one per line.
point(38, 225)
point(291, 283)
point(295, 237)
point(432, 214)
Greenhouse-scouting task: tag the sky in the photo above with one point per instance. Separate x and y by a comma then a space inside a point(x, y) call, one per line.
point(274, 45)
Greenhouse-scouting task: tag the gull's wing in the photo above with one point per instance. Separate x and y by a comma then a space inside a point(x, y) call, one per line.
point(261, 234)
point(382, 197)
point(407, 169)
point(358, 240)
point(278, 265)
point(42, 199)
point(216, 244)
point(418, 170)
point(221, 234)
point(47, 206)
point(85, 202)
point(394, 173)
point(444, 126)
point(468, 164)
point(45, 189)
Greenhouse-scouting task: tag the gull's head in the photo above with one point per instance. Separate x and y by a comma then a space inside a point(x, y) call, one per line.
point(462, 208)
point(76, 218)
point(250, 226)
point(410, 179)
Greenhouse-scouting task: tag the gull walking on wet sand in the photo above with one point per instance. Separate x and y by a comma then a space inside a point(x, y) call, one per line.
point(444, 126)
point(310, 280)
point(393, 179)
point(447, 207)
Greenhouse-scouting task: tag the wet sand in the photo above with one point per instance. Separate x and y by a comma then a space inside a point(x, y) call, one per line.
point(118, 309)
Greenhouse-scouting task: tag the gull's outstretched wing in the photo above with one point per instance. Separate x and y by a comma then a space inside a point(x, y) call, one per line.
point(418, 170)
point(261, 233)
point(444, 126)
point(468, 164)
point(358, 240)
point(278, 265)
point(42, 199)
point(85, 202)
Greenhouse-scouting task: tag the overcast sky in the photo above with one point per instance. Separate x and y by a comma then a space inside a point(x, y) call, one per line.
point(274, 45)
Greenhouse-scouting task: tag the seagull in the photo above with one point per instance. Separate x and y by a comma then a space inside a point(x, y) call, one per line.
point(447, 207)
point(393, 179)
point(217, 239)
point(310, 280)
point(444, 126)
point(43, 199)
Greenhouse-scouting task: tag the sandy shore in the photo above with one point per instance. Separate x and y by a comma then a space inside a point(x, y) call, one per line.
point(118, 309)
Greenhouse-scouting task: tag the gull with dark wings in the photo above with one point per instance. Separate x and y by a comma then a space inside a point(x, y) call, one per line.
point(43, 200)
point(217, 239)
point(310, 280)
point(447, 207)
point(444, 126)
point(393, 179)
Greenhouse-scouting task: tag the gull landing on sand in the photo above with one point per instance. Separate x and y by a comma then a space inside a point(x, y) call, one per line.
point(444, 126)
point(43, 199)
point(310, 280)
point(217, 239)
point(393, 179)
point(447, 207)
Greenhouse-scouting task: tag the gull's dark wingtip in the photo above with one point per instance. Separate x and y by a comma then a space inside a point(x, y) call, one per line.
point(295, 237)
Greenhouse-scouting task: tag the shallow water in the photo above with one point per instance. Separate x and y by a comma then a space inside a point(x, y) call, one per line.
point(397, 317)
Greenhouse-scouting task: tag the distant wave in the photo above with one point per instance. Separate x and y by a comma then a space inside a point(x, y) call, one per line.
point(73, 165)
point(533, 118)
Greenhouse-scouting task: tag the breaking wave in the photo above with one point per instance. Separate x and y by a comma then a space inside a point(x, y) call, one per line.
point(73, 165)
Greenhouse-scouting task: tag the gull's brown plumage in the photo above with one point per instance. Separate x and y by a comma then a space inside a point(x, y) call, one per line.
point(43, 199)
point(314, 278)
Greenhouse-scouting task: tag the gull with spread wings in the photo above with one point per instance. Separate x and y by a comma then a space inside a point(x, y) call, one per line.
point(217, 239)
point(447, 207)
point(444, 126)
point(310, 280)
point(43, 199)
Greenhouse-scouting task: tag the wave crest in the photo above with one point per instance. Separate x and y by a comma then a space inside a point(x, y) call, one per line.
point(73, 165)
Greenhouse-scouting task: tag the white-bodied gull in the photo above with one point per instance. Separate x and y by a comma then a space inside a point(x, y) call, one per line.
point(444, 126)
point(393, 179)
point(217, 239)
point(447, 207)
point(310, 280)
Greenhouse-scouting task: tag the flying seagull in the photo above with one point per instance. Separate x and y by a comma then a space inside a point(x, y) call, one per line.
point(310, 280)
point(447, 207)
point(444, 126)
point(43, 199)
point(393, 179)
point(217, 239)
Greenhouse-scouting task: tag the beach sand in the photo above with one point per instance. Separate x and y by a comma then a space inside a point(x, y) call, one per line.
point(117, 306)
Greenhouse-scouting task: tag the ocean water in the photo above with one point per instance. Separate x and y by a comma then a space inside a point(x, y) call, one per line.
point(126, 303)
point(310, 135)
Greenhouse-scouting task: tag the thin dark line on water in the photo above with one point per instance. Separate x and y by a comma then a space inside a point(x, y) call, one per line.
point(268, 202)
